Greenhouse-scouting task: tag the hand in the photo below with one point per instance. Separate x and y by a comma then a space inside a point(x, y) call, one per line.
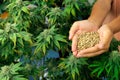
point(77, 28)
point(106, 36)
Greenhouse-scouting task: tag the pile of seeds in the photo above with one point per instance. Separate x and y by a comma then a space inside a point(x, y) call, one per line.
point(87, 40)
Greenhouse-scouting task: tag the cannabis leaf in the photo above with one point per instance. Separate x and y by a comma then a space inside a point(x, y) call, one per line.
point(49, 39)
point(73, 66)
point(11, 72)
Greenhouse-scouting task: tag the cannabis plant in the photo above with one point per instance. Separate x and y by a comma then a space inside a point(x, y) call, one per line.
point(30, 29)
point(11, 72)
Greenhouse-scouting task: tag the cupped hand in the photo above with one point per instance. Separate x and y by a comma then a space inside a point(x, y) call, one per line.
point(106, 36)
point(77, 28)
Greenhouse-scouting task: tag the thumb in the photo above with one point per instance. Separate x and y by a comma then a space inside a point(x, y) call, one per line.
point(73, 30)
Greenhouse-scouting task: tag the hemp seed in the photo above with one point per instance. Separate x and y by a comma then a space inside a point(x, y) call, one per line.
point(87, 40)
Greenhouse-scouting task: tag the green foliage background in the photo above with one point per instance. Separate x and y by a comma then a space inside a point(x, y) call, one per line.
point(33, 27)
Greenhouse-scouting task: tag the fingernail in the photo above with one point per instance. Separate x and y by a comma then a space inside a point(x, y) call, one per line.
point(75, 53)
point(69, 37)
point(79, 55)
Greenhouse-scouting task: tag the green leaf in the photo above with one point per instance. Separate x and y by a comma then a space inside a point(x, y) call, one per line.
point(60, 38)
point(100, 71)
point(16, 67)
point(61, 65)
point(73, 12)
point(44, 48)
point(1, 31)
point(96, 70)
point(4, 78)
point(13, 38)
point(20, 41)
point(3, 40)
point(68, 10)
point(73, 74)
point(77, 7)
point(57, 43)
point(8, 72)
point(19, 77)
point(94, 65)
point(25, 9)
point(26, 36)
point(116, 73)
point(48, 38)
point(37, 49)
point(76, 70)
point(108, 69)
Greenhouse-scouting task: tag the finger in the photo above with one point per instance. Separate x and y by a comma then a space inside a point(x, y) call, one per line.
point(74, 43)
point(90, 50)
point(91, 54)
point(75, 53)
point(73, 30)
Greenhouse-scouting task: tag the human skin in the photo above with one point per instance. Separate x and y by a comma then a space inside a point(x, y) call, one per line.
point(77, 28)
point(106, 31)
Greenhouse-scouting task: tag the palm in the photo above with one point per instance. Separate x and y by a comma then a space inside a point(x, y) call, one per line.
point(77, 28)
point(82, 26)
point(105, 36)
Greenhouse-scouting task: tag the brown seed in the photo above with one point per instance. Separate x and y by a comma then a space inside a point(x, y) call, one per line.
point(87, 40)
